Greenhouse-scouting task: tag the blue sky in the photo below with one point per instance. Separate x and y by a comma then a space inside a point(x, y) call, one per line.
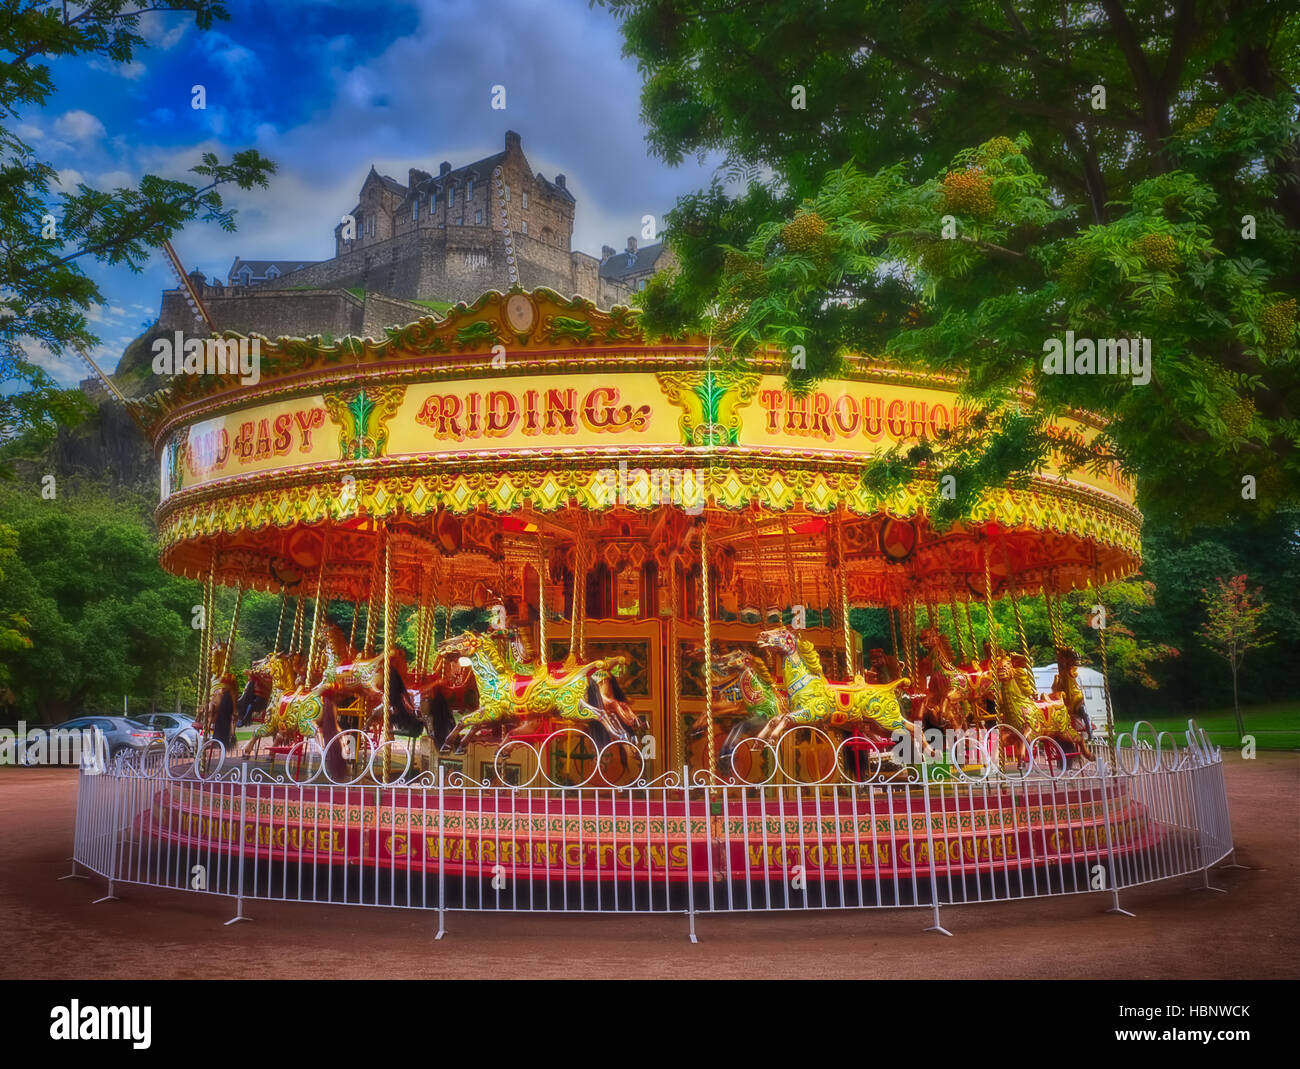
point(328, 87)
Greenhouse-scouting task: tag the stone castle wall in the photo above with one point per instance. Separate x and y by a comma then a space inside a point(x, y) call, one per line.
point(276, 314)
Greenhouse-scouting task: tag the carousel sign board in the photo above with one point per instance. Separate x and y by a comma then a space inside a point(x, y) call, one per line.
point(672, 414)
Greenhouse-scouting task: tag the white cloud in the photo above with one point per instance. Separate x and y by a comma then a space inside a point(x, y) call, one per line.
point(79, 125)
point(163, 32)
point(28, 132)
point(115, 179)
point(131, 71)
point(68, 179)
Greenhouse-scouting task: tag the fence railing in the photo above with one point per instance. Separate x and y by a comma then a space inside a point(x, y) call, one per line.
point(781, 832)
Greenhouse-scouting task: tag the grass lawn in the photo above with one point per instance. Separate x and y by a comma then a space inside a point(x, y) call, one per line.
point(437, 306)
point(1275, 727)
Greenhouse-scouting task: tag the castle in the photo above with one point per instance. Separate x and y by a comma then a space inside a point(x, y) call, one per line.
point(491, 224)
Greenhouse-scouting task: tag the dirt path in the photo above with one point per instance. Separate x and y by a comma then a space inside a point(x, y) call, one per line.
point(52, 930)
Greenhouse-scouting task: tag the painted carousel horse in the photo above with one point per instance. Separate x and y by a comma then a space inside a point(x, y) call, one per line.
point(745, 693)
point(220, 714)
point(256, 698)
point(953, 688)
point(1066, 684)
point(585, 694)
point(346, 673)
point(886, 668)
point(293, 712)
point(844, 706)
point(1030, 716)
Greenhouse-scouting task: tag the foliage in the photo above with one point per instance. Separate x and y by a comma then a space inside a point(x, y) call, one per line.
point(95, 615)
point(44, 294)
point(1233, 625)
point(1116, 222)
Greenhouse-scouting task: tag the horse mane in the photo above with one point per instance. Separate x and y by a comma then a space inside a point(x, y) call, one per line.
point(811, 659)
point(493, 655)
point(760, 669)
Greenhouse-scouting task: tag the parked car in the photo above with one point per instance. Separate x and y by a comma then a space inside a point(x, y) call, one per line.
point(47, 745)
point(184, 728)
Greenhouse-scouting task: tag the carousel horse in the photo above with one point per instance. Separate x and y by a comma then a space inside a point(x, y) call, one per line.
point(346, 673)
point(585, 694)
point(952, 686)
point(1028, 715)
point(845, 706)
point(1066, 684)
point(886, 668)
point(448, 687)
point(255, 700)
point(294, 712)
point(745, 693)
point(220, 715)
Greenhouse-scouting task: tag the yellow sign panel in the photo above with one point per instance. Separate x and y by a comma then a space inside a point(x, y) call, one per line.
point(633, 412)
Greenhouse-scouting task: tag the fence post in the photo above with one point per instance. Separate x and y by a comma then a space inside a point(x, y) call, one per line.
point(442, 853)
point(1103, 778)
point(929, 839)
point(690, 867)
point(77, 829)
point(112, 834)
point(1202, 850)
point(243, 809)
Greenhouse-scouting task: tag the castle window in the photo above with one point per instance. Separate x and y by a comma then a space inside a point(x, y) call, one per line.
point(433, 203)
point(460, 221)
point(415, 210)
point(478, 218)
point(273, 272)
point(507, 194)
point(525, 196)
point(469, 190)
point(451, 197)
point(524, 224)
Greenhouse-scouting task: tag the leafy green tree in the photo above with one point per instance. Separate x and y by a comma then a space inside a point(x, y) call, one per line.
point(100, 618)
point(45, 236)
point(955, 192)
point(1233, 627)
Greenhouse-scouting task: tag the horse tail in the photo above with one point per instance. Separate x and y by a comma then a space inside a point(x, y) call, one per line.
point(441, 721)
point(598, 733)
point(398, 699)
point(223, 727)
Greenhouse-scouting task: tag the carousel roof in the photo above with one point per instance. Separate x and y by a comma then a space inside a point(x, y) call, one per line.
point(526, 420)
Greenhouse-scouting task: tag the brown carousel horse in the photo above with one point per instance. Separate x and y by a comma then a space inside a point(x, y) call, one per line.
point(953, 689)
point(1032, 717)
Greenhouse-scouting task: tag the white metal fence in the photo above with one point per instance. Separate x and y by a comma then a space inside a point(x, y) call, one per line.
point(844, 836)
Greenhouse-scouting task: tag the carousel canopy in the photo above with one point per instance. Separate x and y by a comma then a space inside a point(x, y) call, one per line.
point(527, 424)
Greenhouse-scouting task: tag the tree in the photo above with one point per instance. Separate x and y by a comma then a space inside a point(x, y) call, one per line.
point(1233, 616)
point(44, 237)
point(956, 192)
point(99, 617)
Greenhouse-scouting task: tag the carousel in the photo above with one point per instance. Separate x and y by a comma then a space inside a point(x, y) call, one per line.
point(657, 553)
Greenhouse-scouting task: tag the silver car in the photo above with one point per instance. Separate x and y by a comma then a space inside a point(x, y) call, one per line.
point(183, 729)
